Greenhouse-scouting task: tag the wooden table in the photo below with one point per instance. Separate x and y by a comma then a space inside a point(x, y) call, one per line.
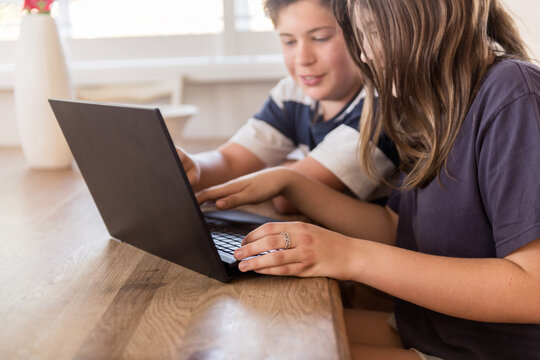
point(68, 292)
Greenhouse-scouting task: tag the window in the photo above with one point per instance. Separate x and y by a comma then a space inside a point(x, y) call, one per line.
point(90, 19)
point(250, 16)
point(10, 17)
point(129, 29)
point(128, 18)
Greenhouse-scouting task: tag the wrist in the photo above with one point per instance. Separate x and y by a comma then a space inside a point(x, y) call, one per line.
point(289, 179)
point(354, 260)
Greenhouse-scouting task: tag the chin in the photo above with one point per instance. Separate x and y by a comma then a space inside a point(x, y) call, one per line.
point(316, 94)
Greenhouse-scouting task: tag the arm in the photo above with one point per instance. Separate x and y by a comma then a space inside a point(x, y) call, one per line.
point(329, 207)
point(493, 289)
point(218, 166)
point(314, 169)
point(490, 290)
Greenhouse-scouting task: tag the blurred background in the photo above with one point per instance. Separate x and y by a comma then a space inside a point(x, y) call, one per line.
point(221, 56)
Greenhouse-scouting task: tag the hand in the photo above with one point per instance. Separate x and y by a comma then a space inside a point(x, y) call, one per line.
point(313, 251)
point(192, 168)
point(249, 189)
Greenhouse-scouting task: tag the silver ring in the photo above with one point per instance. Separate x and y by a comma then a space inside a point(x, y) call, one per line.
point(287, 240)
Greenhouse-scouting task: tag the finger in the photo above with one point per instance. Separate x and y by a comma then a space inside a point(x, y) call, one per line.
point(293, 269)
point(239, 193)
point(268, 243)
point(226, 196)
point(273, 259)
point(234, 200)
point(261, 232)
point(273, 228)
point(217, 192)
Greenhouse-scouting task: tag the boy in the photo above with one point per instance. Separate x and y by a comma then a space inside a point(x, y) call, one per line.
point(315, 111)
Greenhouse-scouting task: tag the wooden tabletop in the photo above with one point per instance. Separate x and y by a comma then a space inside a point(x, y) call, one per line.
point(67, 291)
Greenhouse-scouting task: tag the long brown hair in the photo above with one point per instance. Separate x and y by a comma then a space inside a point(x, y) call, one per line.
point(431, 57)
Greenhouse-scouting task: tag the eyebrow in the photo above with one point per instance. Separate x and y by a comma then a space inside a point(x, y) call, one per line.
point(311, 31)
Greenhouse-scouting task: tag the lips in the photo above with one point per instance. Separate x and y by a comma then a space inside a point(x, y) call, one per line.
point(311, 80)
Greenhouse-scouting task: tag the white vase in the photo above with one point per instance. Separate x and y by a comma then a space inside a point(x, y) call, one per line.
point(41, 73)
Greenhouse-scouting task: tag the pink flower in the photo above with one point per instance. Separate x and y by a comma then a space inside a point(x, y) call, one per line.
point(42, 6)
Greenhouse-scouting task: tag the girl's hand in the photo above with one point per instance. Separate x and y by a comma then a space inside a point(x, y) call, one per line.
point(250, 189)
point(313, 251)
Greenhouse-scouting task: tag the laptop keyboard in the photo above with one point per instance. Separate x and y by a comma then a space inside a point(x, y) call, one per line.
point(226, 237)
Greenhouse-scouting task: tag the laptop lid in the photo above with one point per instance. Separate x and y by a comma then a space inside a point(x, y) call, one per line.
point(133, 172)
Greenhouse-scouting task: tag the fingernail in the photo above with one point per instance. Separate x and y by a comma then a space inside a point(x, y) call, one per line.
point(221, 203)
point(238, 254)
point(242, 266)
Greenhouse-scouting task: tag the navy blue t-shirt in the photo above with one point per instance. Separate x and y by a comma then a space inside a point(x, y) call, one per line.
point(488, 207)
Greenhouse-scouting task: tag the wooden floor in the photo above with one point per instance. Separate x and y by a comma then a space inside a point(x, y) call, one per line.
point(69, 292)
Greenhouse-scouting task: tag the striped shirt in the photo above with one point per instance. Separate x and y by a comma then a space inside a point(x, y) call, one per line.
point(290, 124)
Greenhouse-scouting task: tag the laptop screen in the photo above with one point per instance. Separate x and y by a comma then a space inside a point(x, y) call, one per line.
point(131, 167)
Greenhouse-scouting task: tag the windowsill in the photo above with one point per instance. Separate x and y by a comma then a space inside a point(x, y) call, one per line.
point(194, 69)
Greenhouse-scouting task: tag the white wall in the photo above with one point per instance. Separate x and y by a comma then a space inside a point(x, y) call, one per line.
point(223, 108)
point(527, 15)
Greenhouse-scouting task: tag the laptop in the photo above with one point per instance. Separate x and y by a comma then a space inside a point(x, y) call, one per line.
point(131, 167)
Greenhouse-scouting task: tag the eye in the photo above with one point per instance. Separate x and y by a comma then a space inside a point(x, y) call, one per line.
point(321, 38)
point(287, 41)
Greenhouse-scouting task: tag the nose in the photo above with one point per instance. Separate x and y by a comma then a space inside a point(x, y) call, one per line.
point(305, 54)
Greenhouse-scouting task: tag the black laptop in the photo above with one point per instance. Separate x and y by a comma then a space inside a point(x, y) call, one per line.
point(132, 169)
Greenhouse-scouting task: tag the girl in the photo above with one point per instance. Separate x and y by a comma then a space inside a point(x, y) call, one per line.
point(458, 242)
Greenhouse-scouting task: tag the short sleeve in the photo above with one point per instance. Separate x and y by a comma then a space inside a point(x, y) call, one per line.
point(508, 152)
point(263, 140)
point(338, 153)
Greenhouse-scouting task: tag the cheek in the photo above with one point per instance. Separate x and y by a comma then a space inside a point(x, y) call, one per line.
point(336, 56)
point(342, 64)
point(288, 58)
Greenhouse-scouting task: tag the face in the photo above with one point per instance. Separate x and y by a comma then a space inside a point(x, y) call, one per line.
point(369, 54)
point(315, 52)
point(368, 27)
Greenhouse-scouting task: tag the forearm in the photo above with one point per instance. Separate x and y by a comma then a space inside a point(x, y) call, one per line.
point(491, 290)
point(338, 211)
point(314, 169)
point(228, 162)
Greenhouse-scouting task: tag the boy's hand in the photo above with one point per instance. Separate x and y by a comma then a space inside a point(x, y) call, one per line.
point(192, 168)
